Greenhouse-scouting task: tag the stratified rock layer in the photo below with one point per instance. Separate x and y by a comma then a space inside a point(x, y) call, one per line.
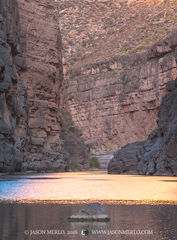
point(157, 155)
point(115, 102)
point(43, 78)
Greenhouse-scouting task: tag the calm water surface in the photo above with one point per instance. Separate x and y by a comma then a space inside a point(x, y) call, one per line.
point(30, 220)
point(95, 185)
point(21, 221)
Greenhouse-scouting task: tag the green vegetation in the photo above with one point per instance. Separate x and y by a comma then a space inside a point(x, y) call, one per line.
point(70, 42)
point(102, 7)
point(94, 162)
point(84, 43)
point(124, 79)
point(167, 20)
point(66, 118)
point(74, 166)
point(134, 50)
point(68, 127)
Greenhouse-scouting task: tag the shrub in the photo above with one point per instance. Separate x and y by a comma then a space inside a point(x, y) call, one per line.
point(74, 166)
point(102, 7)
point(94, 162)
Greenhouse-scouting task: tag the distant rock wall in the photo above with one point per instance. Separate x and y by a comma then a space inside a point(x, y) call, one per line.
point(96, 30)
point(157, 155)
point(115, 102)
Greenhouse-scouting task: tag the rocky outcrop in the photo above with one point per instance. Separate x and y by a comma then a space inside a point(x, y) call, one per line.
point(157, 155)
point(115, 102)
point(13, 111)
point(126, 159)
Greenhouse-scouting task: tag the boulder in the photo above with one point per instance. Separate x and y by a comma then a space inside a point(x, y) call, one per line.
point(92, 212)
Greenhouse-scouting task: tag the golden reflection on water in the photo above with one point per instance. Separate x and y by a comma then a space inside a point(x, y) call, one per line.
point(90, 186)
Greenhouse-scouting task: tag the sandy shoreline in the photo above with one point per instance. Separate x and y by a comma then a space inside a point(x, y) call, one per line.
point(78, 202)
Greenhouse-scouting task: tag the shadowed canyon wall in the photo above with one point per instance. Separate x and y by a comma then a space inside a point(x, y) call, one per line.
point(13, 108)
point(32, 132)
point(115, 102)
point(158, 154)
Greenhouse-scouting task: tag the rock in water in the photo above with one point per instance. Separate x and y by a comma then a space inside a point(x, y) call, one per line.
point(92, 212)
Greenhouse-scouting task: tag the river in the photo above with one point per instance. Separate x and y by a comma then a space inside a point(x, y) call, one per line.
point(36, 206)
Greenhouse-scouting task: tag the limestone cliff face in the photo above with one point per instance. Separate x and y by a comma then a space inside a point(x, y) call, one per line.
point(115, 102)
point(31, 128)
point(157, 155)
point(46, 148)
point(43, 78)
point(13, 111)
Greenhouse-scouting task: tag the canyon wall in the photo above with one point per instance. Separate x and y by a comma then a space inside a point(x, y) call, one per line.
point(158, 154)
point(46, 148)
point(43, 78)
point(115, 102)
point(117, 26)
point(112, 102)
point(13, 110)
point(32, 125)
